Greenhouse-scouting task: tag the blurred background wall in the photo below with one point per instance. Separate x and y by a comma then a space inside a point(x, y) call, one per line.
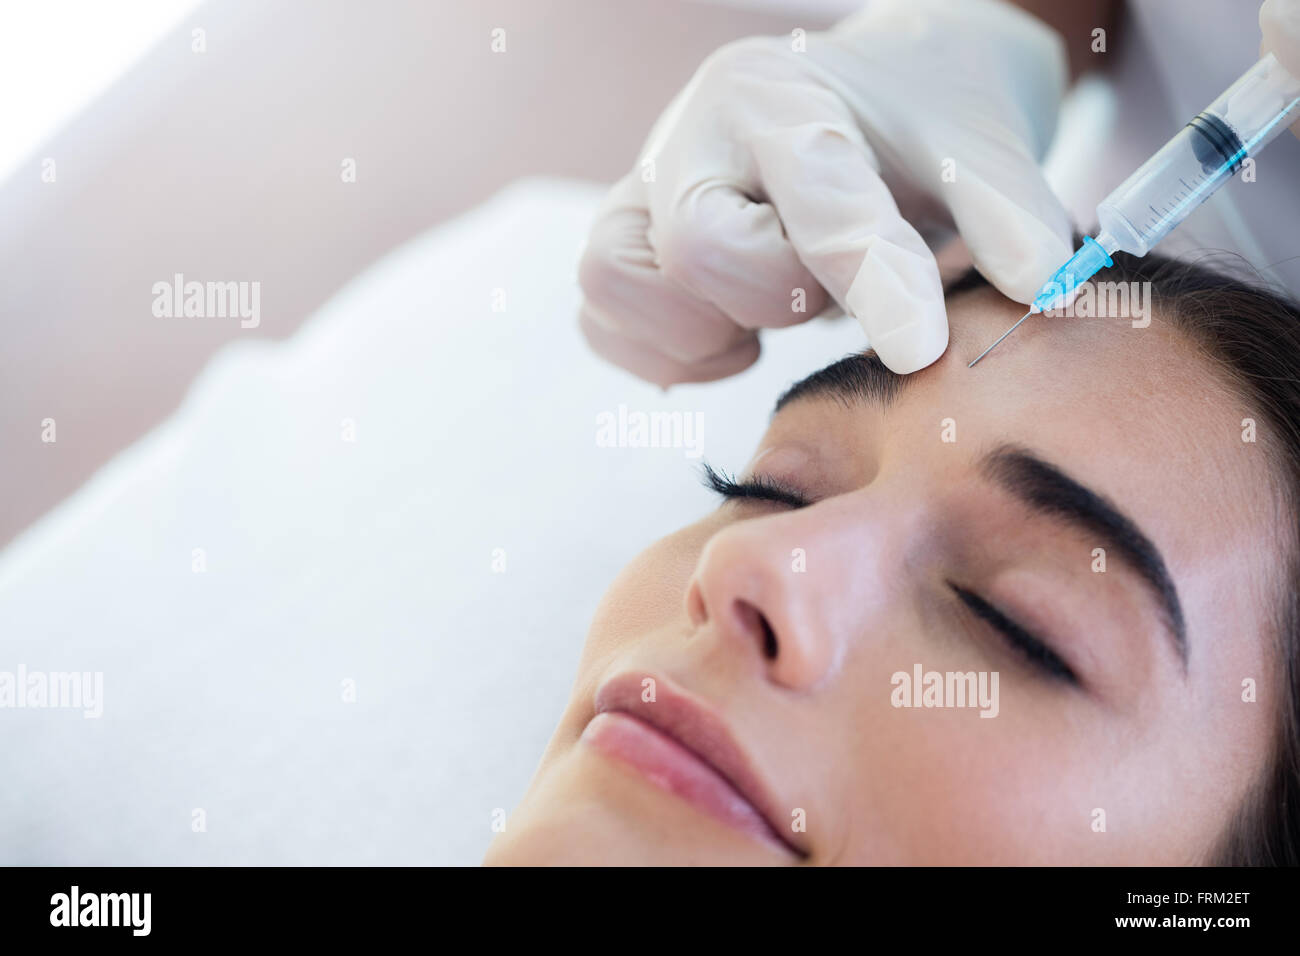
point(226, 164)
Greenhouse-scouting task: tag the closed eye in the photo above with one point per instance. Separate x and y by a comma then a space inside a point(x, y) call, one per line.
point(760, 488)
point(1038, 653)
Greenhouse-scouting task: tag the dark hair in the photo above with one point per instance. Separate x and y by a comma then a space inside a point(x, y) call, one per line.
point(1252, 334)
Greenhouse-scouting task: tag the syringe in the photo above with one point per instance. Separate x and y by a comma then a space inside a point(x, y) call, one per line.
point(1186, 171)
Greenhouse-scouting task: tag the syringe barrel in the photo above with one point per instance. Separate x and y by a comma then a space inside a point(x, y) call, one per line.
point(1201, 157)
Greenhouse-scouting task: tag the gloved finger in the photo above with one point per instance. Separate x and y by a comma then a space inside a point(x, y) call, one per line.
point(626, 292)
point(1015, 227)
point(841, 218)
point(710, 224)
point(732, 251)
point(645, 362)
point(1279, 22)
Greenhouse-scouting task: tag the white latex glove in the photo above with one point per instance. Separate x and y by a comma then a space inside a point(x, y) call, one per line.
point(776, 170)
point(1279, 22)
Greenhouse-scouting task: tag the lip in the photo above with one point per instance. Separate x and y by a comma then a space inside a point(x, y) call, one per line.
point(682, 747)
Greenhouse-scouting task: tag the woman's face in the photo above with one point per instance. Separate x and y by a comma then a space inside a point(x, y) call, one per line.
point(1076, 523)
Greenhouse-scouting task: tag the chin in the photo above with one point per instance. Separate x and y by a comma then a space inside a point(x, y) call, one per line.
point(582, 810)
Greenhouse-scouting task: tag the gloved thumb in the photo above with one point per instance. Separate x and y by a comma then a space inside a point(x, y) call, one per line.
point(1279, 22)
point(823, 179)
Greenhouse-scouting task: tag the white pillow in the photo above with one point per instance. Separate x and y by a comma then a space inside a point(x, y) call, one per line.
point(369, 561)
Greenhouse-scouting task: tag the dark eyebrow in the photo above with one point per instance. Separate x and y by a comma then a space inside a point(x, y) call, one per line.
point(860, 377)
point(1047, 489)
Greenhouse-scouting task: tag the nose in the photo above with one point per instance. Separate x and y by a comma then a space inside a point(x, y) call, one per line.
point(785, 590)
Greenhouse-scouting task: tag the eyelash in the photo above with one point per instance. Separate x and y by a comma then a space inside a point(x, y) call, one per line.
point(1039, 654)
point(1035, 651)
point(761, 489)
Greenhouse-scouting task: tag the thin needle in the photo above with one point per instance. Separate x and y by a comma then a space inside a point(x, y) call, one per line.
point(1000, 338)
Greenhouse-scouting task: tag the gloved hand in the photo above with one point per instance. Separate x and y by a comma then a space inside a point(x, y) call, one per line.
point(777, 170)
point(1279, 21)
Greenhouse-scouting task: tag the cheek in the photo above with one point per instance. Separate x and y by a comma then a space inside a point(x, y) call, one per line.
point(946, 787)
point(649, 593)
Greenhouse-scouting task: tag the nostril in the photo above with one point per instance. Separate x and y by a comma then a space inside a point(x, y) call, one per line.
point(753, 622)
point(769, 639)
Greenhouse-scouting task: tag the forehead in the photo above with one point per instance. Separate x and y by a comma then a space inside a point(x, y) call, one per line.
point(1127, 409)
point(1139, 414)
